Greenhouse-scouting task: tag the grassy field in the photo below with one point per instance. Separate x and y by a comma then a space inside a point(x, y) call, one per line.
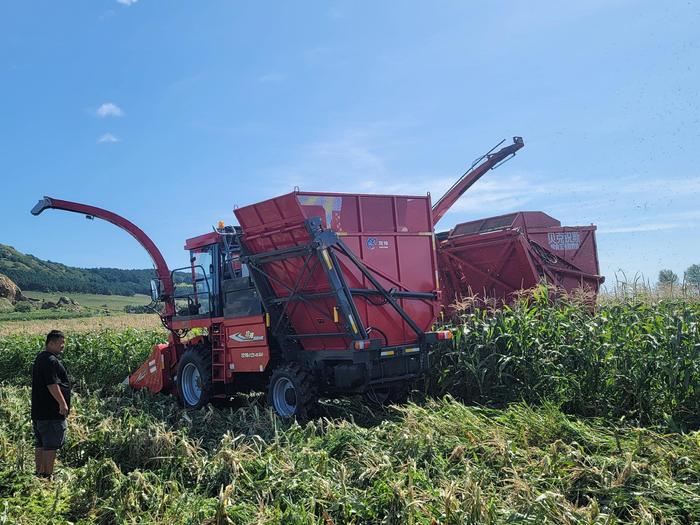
point(534, 414)
point(81, 324)
point(92, 305)
point(111, 303)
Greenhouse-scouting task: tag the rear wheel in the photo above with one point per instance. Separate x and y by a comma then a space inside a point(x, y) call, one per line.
point(292, 392)
point(194, 378)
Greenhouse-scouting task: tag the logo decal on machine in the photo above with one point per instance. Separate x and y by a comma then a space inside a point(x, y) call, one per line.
point(247, 338)
point(249, 355)
point(564, 240)
point(373, 243)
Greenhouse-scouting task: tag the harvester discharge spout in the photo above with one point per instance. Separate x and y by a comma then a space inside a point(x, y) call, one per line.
point(92, 212)
point(479, 167)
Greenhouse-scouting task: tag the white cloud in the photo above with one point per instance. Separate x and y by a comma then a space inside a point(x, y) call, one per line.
point(109, 109)
point(363, 159)
point(127, 2)
point(493, 194)
point(108, 138)
point(346, 161)
point(661, 221)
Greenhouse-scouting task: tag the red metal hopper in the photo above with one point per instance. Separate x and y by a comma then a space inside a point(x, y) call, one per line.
point(494, 258)
point(386, 240)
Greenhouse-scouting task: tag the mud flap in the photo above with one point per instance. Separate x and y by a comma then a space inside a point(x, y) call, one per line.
point(154, 373)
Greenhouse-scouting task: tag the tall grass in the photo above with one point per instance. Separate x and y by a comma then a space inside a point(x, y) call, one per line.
point(98, 360)
point(639, 287)
point(633, 359)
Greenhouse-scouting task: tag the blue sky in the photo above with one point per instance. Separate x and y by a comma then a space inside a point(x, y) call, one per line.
point(170, 113)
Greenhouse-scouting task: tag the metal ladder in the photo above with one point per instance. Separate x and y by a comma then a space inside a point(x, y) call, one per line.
point(219, 364)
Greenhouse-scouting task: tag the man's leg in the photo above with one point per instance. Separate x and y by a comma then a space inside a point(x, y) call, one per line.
point(48, 459)
point(53, 435)
point(38, 449)
point(38, 460)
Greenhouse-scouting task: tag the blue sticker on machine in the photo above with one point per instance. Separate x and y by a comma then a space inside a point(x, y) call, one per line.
point(373, 243)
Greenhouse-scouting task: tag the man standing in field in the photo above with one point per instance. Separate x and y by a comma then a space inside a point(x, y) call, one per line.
point(50, 403)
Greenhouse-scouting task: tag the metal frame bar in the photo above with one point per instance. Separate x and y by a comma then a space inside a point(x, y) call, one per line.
point(325, 240)
point(383, 292)
point(277, 301)
point(295, 295)
point(473, 268)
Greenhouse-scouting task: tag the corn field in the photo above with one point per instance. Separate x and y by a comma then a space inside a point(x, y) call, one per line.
point(538, 413)
point(635, 360)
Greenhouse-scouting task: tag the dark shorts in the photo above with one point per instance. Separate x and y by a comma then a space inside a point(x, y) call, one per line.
point(49, 434)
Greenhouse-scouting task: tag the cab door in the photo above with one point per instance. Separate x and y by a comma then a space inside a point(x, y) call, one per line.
point(205, 278)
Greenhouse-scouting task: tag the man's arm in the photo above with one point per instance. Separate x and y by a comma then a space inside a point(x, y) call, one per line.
point(58, 396)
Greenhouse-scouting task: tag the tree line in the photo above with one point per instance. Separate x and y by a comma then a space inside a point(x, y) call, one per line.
point(691, 277)
point(34, 274)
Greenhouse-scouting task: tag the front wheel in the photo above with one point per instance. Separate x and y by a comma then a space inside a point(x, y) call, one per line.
point(194, 378)
point(292, 392)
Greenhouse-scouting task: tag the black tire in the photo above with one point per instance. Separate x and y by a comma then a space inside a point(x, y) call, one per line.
point(292, 392)
point(194, 386)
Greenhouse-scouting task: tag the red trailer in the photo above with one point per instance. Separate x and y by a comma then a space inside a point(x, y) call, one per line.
point(496, 257)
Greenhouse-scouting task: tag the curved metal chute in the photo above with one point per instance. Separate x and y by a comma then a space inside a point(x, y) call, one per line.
point(162, 270)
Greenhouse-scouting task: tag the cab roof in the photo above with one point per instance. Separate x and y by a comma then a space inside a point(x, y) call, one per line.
point(202, 240)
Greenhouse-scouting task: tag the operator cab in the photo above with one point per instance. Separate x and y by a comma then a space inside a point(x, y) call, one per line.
point(216, 283)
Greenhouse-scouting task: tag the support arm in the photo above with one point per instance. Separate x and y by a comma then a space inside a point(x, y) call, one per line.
point(162, 270)
point(479, 168)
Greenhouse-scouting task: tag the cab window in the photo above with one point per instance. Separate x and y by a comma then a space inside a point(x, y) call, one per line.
point(202, 269)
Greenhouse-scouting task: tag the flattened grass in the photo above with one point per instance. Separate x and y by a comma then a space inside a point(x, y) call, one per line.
point(138, 458)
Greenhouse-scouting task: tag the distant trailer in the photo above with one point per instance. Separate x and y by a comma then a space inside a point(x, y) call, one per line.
point(494, 258)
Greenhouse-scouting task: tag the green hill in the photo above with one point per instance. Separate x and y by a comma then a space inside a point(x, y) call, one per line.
point(32, 273)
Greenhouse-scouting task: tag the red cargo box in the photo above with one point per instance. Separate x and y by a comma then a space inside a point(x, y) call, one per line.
point(391, 235)
point(494, 258)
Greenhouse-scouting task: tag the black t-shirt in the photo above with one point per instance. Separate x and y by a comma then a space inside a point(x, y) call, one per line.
point(48, 370)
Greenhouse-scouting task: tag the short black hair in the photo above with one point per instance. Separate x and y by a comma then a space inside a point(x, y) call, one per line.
point(54, 335)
